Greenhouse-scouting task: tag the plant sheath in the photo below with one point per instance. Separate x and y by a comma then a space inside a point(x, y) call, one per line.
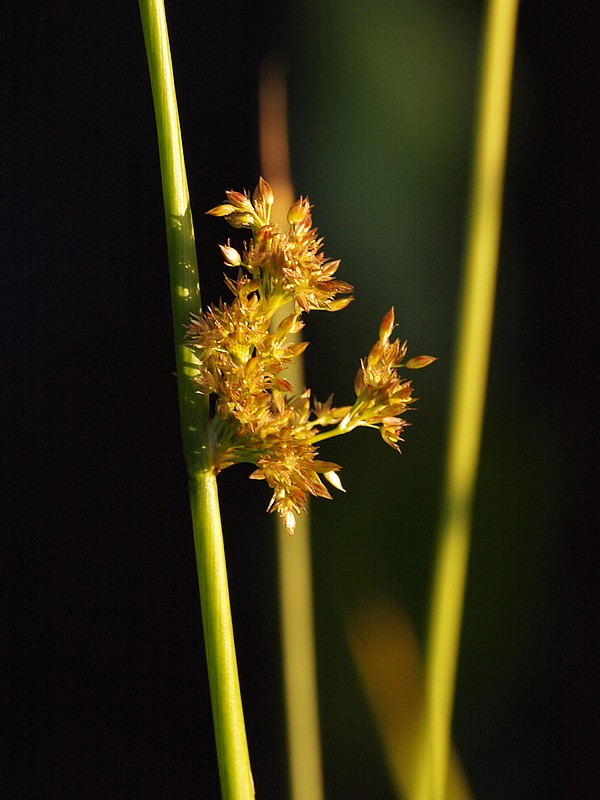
point(230, 733)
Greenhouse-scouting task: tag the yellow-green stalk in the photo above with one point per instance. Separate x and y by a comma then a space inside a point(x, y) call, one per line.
point(230, 734)
point(468, 394)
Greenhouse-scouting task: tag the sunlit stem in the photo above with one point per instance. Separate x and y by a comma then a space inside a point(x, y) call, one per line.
point(232, 750)
point(351, 421)
point(228, 716)
point(468, 395)
point(337, 431)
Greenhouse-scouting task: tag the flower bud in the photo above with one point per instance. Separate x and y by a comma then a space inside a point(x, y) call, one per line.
point(297, 349)
point(291, 324)
point(279, 400)
point(419, 362)
point(263, 193)
point(387, 325)
point(341, 302)
point(282, 384)
point(297, 212)
point(241, 220)
point(231, 255)
point(374, 356)
point(239, 200)
point(222, 210)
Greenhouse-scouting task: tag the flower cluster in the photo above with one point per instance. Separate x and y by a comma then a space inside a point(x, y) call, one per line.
point(241, 354)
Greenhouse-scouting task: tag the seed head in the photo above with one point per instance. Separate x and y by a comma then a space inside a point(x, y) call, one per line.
point(257, 416)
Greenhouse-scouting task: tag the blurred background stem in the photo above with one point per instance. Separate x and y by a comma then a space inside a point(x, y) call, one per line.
point(294, 553)
point(230, 734)
point(468, 395)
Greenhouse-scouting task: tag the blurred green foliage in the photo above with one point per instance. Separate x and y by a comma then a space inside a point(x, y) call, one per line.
point(381, 110)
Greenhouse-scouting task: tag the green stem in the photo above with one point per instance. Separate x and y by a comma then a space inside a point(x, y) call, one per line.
point(230, 734)
point(328, 434)
point(228, 716)
point(183, 266)
point(468, 396)
point(341, 429)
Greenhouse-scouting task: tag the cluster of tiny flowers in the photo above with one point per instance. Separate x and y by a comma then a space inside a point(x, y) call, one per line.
point(257, 416)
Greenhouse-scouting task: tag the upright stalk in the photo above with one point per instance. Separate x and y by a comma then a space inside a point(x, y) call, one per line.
point(228, 715)
point(294, 554)
point(230, 734)
point(468, 395)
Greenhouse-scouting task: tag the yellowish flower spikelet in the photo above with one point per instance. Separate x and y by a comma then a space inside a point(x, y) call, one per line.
point(257, 416)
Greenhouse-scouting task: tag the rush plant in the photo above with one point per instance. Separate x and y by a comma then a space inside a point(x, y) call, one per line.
point(234, 403)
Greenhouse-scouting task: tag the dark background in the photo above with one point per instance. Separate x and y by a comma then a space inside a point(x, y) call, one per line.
point(105, 692)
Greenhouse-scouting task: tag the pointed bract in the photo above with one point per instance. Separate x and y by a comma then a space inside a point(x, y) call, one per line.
point(334, 480)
